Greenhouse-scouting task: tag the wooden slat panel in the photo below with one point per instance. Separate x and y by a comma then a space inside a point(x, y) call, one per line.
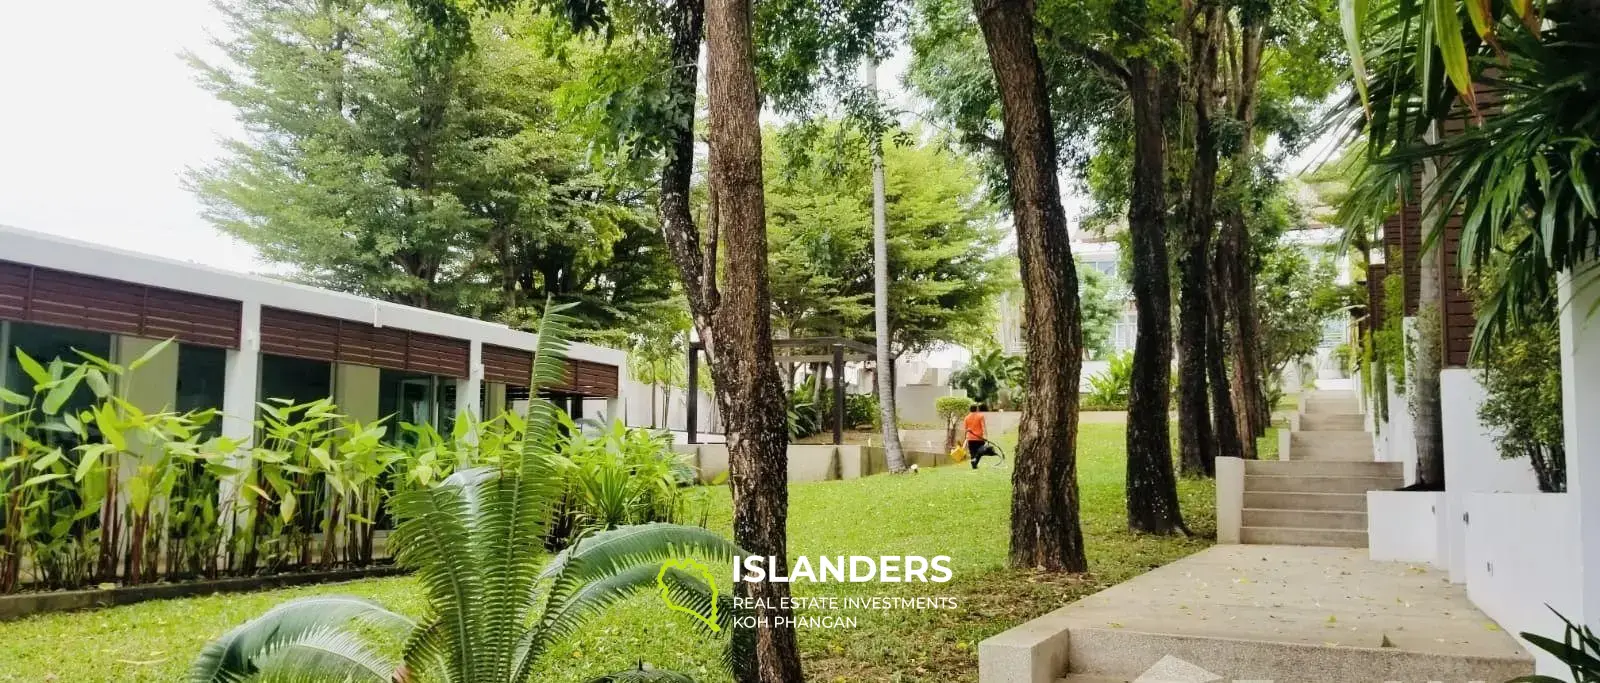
point(506, 365)
point(192, 318)
point(1411, 244)
point(86, 302)
point(14, 278)
point(595, 379)
point(300, 335)
point(438, 355)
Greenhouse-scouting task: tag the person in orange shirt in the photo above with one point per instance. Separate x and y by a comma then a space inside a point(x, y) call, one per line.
point(977, 443)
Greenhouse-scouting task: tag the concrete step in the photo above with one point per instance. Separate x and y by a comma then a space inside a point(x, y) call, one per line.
point(1325, 468)
point(1283, 535)
point(1113, 654)
point(1318, 484)
point(1330, 445)
point(1331, 406)
point(1333, 502)
point(1333, 422)
point(1305, 519)
point(1090, 678)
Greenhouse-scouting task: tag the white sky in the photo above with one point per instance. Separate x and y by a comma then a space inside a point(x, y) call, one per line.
point(98, 120)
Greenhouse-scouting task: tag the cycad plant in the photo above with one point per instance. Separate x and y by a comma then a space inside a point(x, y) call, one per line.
point(494, 607)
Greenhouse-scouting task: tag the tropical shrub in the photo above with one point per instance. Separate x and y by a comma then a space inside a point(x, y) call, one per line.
point(994, 379)
point(1522, 379)
point(473, 541)
point(614, 476)
point(951, 409)
point(1109, 390)
point(80, 489)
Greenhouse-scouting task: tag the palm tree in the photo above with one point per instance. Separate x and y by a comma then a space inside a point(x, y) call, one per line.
point(475, 544)
point(1523, 176)
point(992, 376)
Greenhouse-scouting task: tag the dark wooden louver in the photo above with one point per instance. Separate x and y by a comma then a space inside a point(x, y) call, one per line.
point(505, 365)
point(316, 337)
point(85, 302)
point(514, 367)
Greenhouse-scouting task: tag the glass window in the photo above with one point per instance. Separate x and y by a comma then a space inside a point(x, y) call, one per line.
point(296, 379)
point(44, 343)
point(202, 371)
point(414, 398)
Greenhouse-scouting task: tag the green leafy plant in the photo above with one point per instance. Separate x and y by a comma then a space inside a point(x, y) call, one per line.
point(1109, 390)
point(1579, 649)
point(473, 541)
point(994, 379)
point(951, 409)
point(615, 476)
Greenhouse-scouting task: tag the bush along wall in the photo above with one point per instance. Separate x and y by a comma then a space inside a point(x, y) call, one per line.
point(114, 494)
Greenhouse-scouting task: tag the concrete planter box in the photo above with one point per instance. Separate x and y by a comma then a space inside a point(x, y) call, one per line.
point(1406, 526)
point(25, 604)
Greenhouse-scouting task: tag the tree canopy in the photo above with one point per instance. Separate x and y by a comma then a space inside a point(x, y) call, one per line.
point(944, 260)
point(447, 183)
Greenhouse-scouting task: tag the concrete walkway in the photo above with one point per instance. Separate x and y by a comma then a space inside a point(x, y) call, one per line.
point(1263, 613)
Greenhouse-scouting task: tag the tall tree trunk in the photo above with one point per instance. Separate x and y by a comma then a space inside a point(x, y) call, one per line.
point(739, 336)
point(1196, 444)
point(1044, 504)
point(1429, 356)
point(894, 456)
point(1224, 421)
point(1252, 413)
point(1151, 484)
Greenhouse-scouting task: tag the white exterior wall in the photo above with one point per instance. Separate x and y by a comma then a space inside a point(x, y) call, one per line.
point(1472, 464)
point(1580, 384)
point(1404, 526)
point(1521, 554)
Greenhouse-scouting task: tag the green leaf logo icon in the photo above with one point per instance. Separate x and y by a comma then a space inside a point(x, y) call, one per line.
point(688, 565)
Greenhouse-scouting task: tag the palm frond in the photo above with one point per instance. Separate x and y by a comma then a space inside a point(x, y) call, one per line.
point(239, 654)
point(434, 539)
point(643, 675)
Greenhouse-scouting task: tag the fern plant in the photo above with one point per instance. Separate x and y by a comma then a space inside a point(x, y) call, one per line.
point(494, 607)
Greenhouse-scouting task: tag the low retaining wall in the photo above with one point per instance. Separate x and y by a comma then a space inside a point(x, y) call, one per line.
point(1407, 526)
point(25, 604)
point(1522, 560)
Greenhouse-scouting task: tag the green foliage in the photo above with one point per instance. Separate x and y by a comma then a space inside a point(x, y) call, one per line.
point(1531, 162)
point(943, 241)
point(1294, 297)
point(1102, 303)
point(1522, 380)
point(616, 476)
point(994, 379)
point(1579, 649)
point(968, 511)
point(952, 407)
point(1389, 341)
point(446, 180)
point(80, 489)
point(1109, 390)
point(474, 543)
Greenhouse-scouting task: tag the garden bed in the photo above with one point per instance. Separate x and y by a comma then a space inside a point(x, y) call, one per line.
point(26, 604)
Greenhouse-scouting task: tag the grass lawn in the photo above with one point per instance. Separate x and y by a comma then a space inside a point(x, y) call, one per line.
point(946, 511)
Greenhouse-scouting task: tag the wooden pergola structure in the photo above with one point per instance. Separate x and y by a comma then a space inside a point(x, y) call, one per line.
point(800, 350)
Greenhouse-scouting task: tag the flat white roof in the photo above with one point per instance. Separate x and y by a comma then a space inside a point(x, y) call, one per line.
point(60, 253)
